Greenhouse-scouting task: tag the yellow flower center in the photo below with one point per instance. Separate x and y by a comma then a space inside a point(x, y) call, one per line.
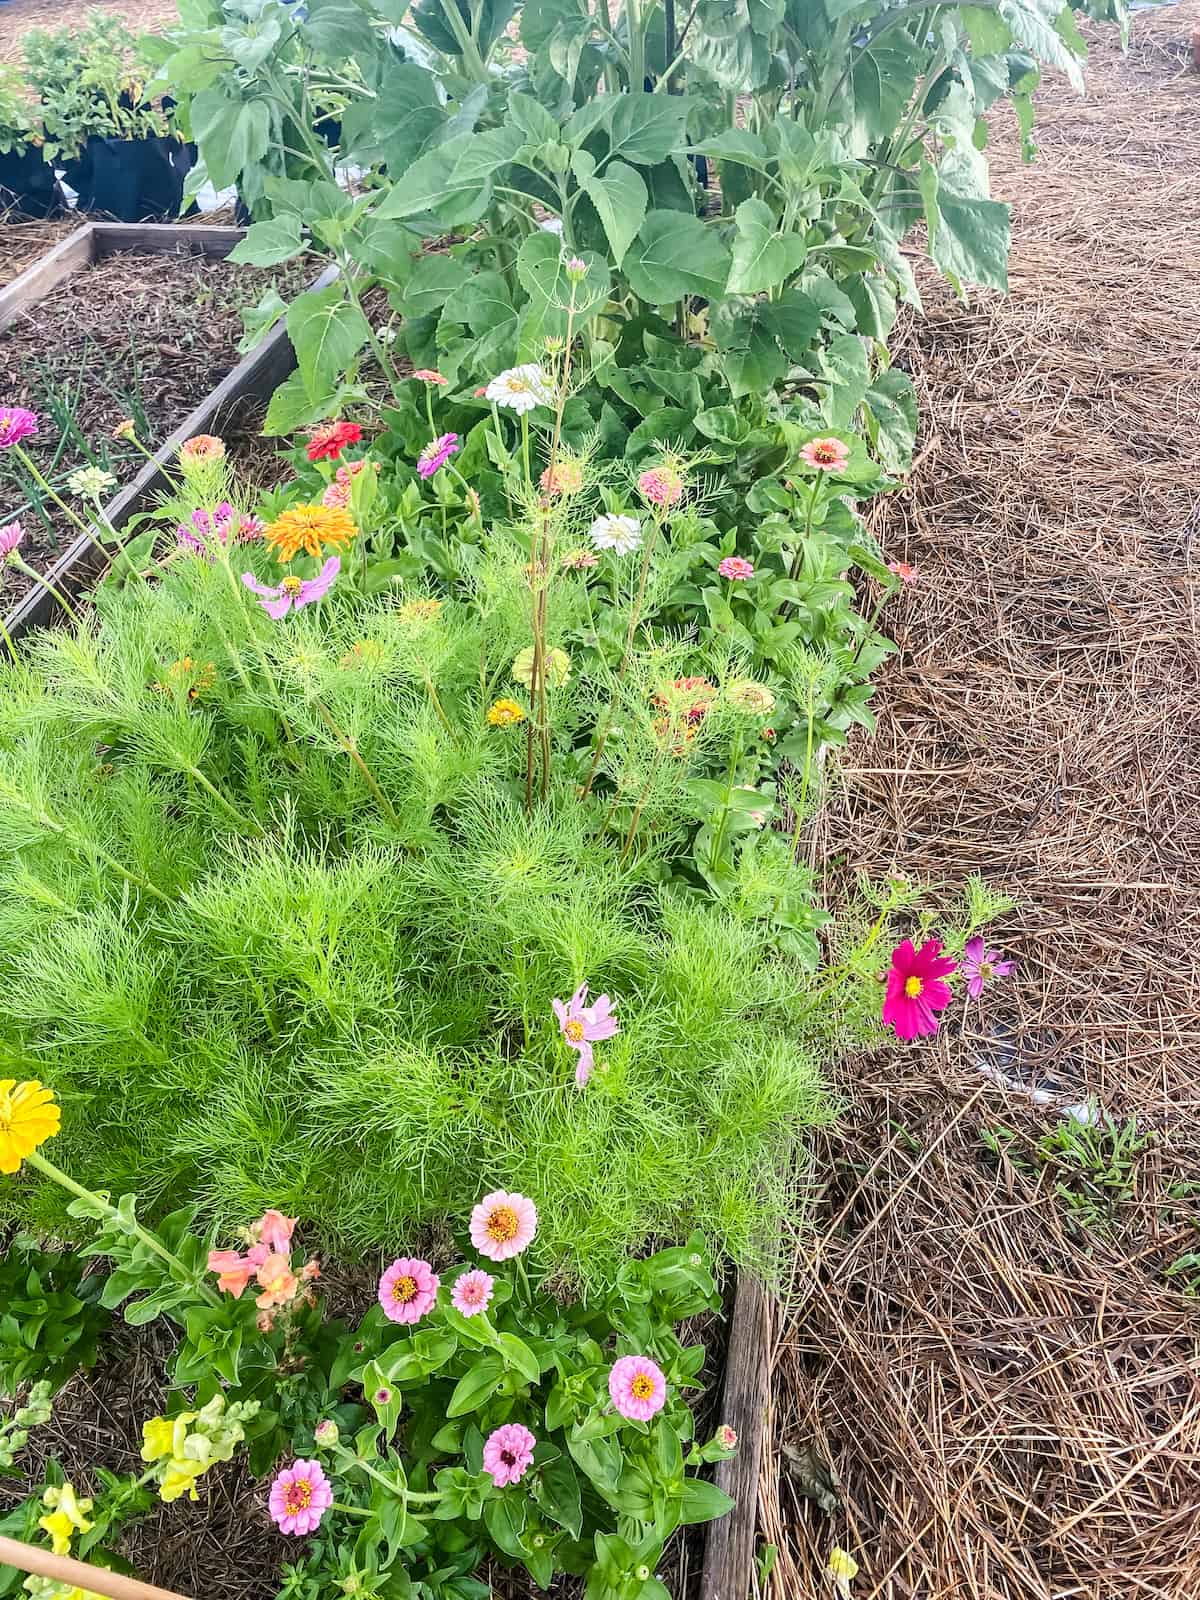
point(913, 987)
point(299, 1495)
point(642, 1387)
point(517, 386)
point(403, 1289)
point(291, 585)
point(574, 1031)
point(502, 1224)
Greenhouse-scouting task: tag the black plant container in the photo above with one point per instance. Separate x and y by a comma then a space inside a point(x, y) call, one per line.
point(28, 187)
point(131, 180)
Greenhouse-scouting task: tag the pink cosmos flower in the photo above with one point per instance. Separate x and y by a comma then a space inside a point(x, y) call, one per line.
point(472, 1293)
point(736, 568)
point(275, 1230)
point(436, 454)
point(508, 1454)
point(826, 455)
point(915, 990)
point(428, 375)
point(408, 1289)
point(300, 1496)
point(205, 526)
point(16, 424)
point(662, 486)
point(234, 1271)
point(502, 1225)
point(980, 966)
point(637, 1387)
point(11, 535)
point(902, 570)
point(583, 1025)
point(293, 591)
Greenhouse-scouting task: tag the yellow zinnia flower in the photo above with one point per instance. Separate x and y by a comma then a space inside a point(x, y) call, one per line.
point(556, 667)
point(29, 1116)
point(504, 713)
point(309, 528)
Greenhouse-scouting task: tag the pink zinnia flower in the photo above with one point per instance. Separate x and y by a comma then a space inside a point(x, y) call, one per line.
point(16, 424)
point(662, 486)
point(408, 1289)
point(980, 965)
point(727, 1437)
point(275, 1230)
point(234, 1271)
point(502, 1225)
point(902, 570)
point(428, 375)
point(472, 1293)
point(826, 455)
point(508, 1454)
point(300, 1496)
point(277, 602)
point(915, 990)
point(580, 560)
point(637, 1387)
point(583, 1025)
point(436, 454)
point(250, 528)
point(11, 535)
point(736, 568)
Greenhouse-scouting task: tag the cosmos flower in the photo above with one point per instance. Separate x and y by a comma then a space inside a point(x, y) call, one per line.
point(980, 965)
point(637, 1387)
point(293, 591)
point(502, 1225)
point(915, 988)
point(584, 1025)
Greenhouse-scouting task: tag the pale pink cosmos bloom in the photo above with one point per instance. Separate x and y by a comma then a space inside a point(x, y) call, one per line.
point(293, 591)
point(902, 570)
point(980, 965)
point(736, 568)
point(16, 425)
point(502, 1225)
point(275, 1230)
point(826, 455)
point(234, 1271)
point(508, 1454)
point(637, 1387)
point(11, 535)
point(472, 1293)
point(408, 1289)
point(300, 1496)
point(278, 1282)
point(584, 1025)
point(436, 454)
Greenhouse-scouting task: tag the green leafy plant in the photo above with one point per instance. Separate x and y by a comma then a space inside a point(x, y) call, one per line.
point(1093, 1164)
point(20, 126)
point(51, 1318)
point(90, 80)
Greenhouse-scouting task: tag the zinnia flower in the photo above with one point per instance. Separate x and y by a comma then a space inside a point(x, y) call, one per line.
point(622, 535)
point(556, 666)
point(326, 1434)
point(233, 1271)
point(551, 225)
point(16, 425)
point(689, 697)
point(126, 429)
point(340, 490)
point(662, 485)
point(736, 568)
point(520, 389)
point(436, 454)
point(428, 375)
point(508, 1454)
point(327, 442)
point(826, 455)
point(504, 713)
point(902, 570)
point(562, 477)
point(584, 1025)
point(980, 965)
point(309, 528)
point(726, 1437)
point(11, 535)
point(417, 611)
point(29, 1115)
point(472, 1293)
point(915, 991)
point(408, 1289)
point(297, 592)
point(637, 1387)
point(580, 560)
point(502, 1225)
point(754, 698)
point(89, 483)
point(203, 447)
point(300, 1496)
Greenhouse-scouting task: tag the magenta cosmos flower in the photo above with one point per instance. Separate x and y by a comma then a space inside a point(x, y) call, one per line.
point(293, 591)
point(300, 1496)
point(472, 1293)
point(16, 424)
point(826, 455)
point(436, 454)
point(736, 568)
point(583, 1026)
point(502, 1225)
point(637, 1387)
point(980, 966)
point(11, 535)
point(915, 990)
point(508, 1454)
point(408, 1289)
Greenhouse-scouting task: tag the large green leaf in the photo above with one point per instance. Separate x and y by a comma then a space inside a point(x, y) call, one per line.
point(644, 128)
point(891, 407)
point(675, 255)
point(434, 280)
point(794, 319)
point(762, 258)
point(232, 134)
point(1033, 23)
point(482, 302)
point(292, 406)
point(534, 121)
point(268, 243)
point(619, 197)
point(542, 270)
point(844, 362)
point(453, 180)
point(327, 331)
point(396, 121)
point(339, 30)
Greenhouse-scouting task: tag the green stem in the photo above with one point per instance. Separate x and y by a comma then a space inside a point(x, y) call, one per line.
point(227, 805)
point(352, 750)
point(85, 528)
point(46, 585)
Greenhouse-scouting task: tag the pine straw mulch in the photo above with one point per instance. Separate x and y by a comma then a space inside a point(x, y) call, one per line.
point(1010, 1401)
point(18, 16)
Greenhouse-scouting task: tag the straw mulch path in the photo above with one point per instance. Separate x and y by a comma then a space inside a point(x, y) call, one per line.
point(1009, 1395)
point(18, 16)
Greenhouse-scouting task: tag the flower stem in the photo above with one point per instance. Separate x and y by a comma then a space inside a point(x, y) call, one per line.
point(352, 750)
point(43, 583)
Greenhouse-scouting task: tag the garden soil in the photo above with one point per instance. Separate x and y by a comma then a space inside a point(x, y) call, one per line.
point(989, 1386)
point(18, 16)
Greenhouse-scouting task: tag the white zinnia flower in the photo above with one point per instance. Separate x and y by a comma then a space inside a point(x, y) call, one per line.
point(90, 482)
point(552, 225)
point(521, 388)
point(621, 534)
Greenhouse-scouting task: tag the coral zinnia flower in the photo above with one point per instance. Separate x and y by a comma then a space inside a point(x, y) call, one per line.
point(736, 568)
point(203, 447)
point(29, 1115)
point(428, 375)
point(915, 990)
point(580, 560)
point(826, 455)
point(16, 425)
point(293, 591)
point(637, 1387)
point(419, 610)
point(309, 528)
point(691, 698)
point(584, 1025)
point(980, 966)
point(504, 713)
point(662, 485)
point(564, 476)
point(327, 443)
point(472, 1293)
point(508, 1454)
point(751, 697)
point(300, 1496)
point(408, 1289)
point(502, 1225)
point(902, 570)
point(436, 454)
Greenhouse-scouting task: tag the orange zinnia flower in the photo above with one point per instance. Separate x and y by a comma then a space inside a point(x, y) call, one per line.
point(311, 529)
point(202, 447)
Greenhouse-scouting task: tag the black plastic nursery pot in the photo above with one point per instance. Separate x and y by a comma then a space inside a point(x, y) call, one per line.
point(131, 180)
point(29, 190)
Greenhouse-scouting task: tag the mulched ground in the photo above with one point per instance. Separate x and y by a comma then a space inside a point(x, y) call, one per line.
point(17, 16)
point(988, 1377)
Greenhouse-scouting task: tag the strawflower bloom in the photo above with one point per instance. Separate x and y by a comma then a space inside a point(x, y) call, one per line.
point(915, 988)
point(980, 965)
point(89, 483)
point(428, 375)
point(508, 1454)
point(300, 1496)
point(16, 425)
point(825, 455)
point(556, 667)
point(622, 535)
point(408, 1289)
point(327, 442)
point(580, 560)
point(472, 1293)
point(11, 535)
point(637, 1387)
point(754, 698)
point(293, 592)
point(902, 570)
point(662, 485)
point(520, 389)
point(29, 1115)
point(203, 447)
point(736, 568)
point(504, 713)
point(502, 1225)
point(562, 477)
point(584, 1025)
point(309, 528)
point(436, 454)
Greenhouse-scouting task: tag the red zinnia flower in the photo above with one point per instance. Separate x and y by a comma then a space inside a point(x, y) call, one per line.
point(328, 442)
point(915, 990)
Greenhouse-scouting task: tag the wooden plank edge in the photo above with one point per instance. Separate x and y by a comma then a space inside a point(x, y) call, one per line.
point(167, 238)
point(71, 253)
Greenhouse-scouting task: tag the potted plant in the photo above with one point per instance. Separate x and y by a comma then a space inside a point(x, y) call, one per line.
point(28, 187)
